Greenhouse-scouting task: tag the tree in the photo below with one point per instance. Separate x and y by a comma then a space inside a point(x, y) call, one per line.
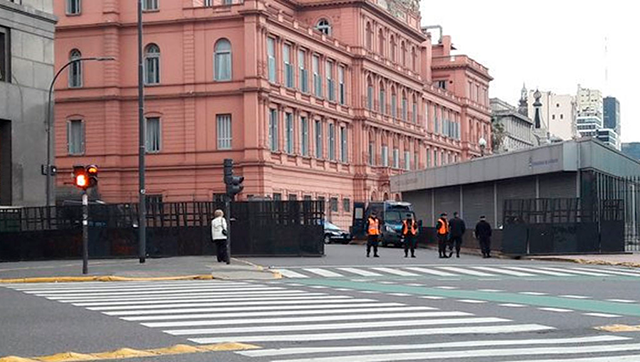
point(497, 134)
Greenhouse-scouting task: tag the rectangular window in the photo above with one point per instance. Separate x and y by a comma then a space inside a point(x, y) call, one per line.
point(224, 131)
point(288, 139)
point(436, 124)
point(273, 129)
point(435, 158)
point(75, 137)
point(346, 205)
point(372, 153)
point(5, 55)
point(385, 156)
point(370, 97)
point(342, 89)
point(317, 79)
point(428, 158)
point(394, 106)
point(149, 5)
point(303, 77)
point(73, 7)
point(288, 67)
point(396, 158)
point(415, 161)
point(277, 197)
point(381, 101)
point(271, 55)
point(153, 135)
point(319, 139)
point(332, 142)
point(306, 198)
point(404, 109)
point(407, 160)
point(442, 84)
point(304, 136)
point(331, 92)
point(293, 197)
point(414, 116)
point(334, 204)
point(344, 145)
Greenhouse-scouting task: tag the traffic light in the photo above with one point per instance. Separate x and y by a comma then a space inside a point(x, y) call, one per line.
point(80, 177)
point(92, 173)
point(234, 183)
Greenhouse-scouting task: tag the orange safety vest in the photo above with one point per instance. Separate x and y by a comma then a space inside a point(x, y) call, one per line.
point(374, 228)
point(444, 227)
point(406, 230)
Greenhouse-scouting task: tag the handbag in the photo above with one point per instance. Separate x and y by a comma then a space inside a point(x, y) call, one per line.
point(224, 232)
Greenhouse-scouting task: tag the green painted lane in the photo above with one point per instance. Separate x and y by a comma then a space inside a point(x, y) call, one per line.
point(499, 297)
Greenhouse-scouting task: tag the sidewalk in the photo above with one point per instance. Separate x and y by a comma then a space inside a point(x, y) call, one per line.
point(177, 268)
point(630, 260)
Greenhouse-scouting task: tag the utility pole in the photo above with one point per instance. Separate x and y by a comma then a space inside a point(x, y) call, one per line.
point(85, 232)
point(233, 186)
point(142, 129)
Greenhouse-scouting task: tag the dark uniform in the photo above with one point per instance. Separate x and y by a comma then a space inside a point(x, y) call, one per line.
point(457, 228)
point(483, 234)
point(409, 233)
point(442, 231)
point(373, 234)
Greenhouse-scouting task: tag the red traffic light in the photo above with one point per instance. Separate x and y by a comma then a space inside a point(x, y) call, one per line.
point(81, 181)
point(85, 177)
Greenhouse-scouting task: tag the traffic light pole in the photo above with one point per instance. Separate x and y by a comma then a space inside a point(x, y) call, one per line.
point(85, 232)
point(227, 215)
point(142, 129)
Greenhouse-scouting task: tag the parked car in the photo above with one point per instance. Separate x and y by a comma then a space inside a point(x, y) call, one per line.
point(333, 234)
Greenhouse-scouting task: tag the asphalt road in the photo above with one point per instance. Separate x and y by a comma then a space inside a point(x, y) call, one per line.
point(344, 307)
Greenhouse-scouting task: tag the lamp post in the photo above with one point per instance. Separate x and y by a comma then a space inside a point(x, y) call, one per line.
point(483, 144)
point(48, 170)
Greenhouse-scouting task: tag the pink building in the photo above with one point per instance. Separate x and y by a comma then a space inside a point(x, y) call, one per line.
point(312, 99)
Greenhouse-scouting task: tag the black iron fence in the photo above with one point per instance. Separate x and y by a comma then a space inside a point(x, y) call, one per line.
point(265, 228)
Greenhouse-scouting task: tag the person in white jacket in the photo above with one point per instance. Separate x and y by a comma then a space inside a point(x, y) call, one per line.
point(219, 235)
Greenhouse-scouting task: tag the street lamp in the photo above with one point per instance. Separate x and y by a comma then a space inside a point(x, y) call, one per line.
point(483, 144)
point(48, 170)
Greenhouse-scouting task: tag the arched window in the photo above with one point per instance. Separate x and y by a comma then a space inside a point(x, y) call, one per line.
point(369, 36)
point(223, 60)
point(75, 69)
point(394, 48)
point(414, 109)
point(394, 103)
point(324, 27)
point(414, 59)
point(381, 42)
point(404, 106)
point(369, 94)
point(382, 99)
point(403, 49)
point(152, 64)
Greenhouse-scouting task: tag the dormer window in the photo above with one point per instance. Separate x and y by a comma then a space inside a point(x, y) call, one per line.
point(324, 27)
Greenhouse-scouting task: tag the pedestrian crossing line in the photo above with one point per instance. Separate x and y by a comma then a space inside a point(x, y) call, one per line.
point(615, 272)
point(431, 271)
point(203, 295)
point(145, 289)
point(557, 310)
point(399, 294)
point(290, 273)
point(539, 271)
point(490, 290)
point(216, 319)
point(400, 347)
point(466, 271)
point(318, 287)
point(103, 285)
point(210, 300)
point(574, 271)
point(339, 326)
point(361, 272)
point(632, 358)
point(574, 296)
point(352, 304)
point(398, 272)
point(621, 301)
point(432, 297)
point(164, 291)
point(478, 353)
point(512, 328)
point(324, 273)
point(533, 293)
point(344, 290)
point(602, 315)
point(472, 301)
point(512, 305)
point(446, 287)
point(504, 271)
point(627, 270)
point(338, 299)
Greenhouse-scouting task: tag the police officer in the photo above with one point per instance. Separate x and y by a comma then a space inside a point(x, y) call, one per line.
point(483, 234)
point(409, 233)
point(373, 233)
point(457, 228)
point(442, 231)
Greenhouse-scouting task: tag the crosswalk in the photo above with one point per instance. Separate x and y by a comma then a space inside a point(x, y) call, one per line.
point(295, 325)
point(493, 271)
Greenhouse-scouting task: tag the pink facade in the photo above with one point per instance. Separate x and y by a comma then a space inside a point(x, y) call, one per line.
point(303, 113)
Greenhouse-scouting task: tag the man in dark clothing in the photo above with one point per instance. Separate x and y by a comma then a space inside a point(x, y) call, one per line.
point(442, 231)
point(483, 234)
point(409, 232)
point(456, 229)
point(373, 234)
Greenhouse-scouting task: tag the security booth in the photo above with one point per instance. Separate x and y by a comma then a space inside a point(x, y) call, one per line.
point(570, 197)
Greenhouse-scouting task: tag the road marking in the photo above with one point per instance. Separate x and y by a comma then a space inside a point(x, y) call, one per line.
point(399, 294)
point(364, 273)
point(415, 312)
point(324, 273)
point(344, 290)
point(369, 292)
point(603, 315)
point(317, 287)
point(103, 285)
point(202, 299)
point(149, 288)
point(621, 301)
point(483, 343)
point(477, 353)
point(619, 328)
point(212, 291)
point(338, 326)
point(490, 290)
point(432, 297)
point(203, 294)
point(574, 296)
point(633, 358)
point(466, 271)
point(572, 270)
point(399, 272)
point(538, 271)
point(504, 271)
point(431, 271)
point(346, 304)
point(516, 328)
point(512, 305)
point(610, 272)
point(414, 285)
point(557, 310)
point(446, 287)
point(472, 301)
point(217, 317)
point(533, 293)
point(289, 273)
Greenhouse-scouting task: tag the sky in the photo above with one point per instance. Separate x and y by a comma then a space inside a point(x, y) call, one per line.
point(553, 45)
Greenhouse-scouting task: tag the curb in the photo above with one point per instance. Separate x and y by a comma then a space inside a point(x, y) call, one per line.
point(590, 262)
point(105, 278)
point(276, 275)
